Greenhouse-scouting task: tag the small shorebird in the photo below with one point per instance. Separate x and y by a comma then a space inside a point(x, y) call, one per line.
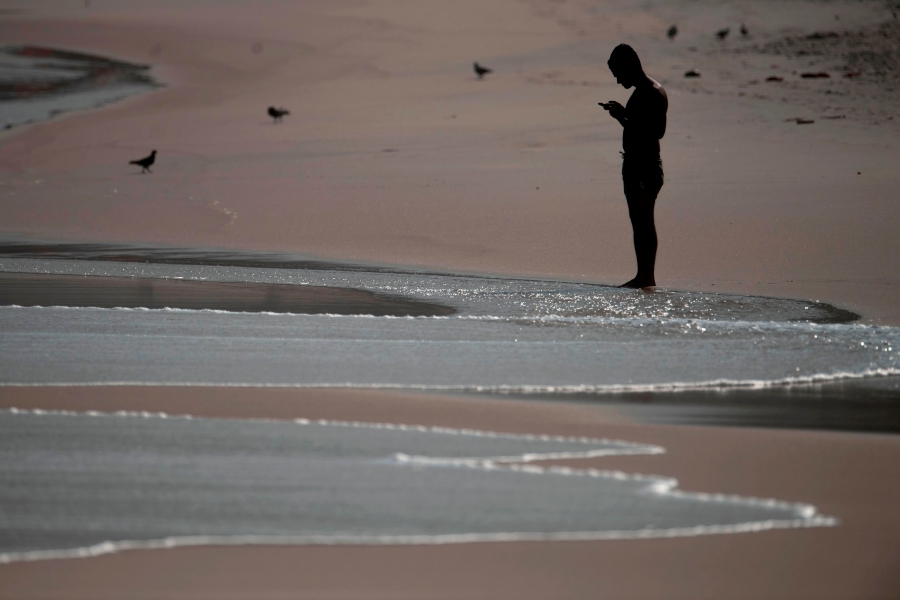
point(723, 33)
point(277, 113)
point(672, 32)
point(744, 31)
point(145, 162)
point(481, 71)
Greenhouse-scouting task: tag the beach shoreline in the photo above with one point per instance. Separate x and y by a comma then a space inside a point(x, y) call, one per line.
point(33, 289)
point(395, 154)
point(851, 476)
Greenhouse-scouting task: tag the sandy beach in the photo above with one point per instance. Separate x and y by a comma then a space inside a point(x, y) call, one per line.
point(852, 476)
point(396, 154)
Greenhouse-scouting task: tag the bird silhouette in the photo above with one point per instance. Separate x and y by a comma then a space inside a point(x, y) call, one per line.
point(672, 32)
point(723, 33)
point(277, 113)
point(744, 31)
point(481, 71)
point(145, 162)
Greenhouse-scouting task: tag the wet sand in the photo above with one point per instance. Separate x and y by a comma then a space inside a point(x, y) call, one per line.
point(859, 405)
point(852, 476)
point(24, 289)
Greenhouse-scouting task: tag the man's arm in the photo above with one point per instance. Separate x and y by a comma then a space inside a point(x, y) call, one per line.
point(616, 111)
point(645, 116)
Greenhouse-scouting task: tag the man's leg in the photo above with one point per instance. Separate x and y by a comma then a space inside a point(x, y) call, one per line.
point(641, 203)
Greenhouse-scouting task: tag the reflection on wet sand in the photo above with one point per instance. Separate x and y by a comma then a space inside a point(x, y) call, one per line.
point(25, 289)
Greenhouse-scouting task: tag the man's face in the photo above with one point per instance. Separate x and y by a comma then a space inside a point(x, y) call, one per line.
point(622, 76)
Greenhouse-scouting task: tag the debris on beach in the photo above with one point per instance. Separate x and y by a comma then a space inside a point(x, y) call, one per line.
point(723, 33)
point(799, 121)
point(672, 32)
point(817, 75)
point(774, 78)
point(692, 73)
point(834, 117)
point(852, 74)
point(744, 31)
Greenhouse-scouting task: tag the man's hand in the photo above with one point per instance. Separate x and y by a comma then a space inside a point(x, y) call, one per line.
point(616, 110)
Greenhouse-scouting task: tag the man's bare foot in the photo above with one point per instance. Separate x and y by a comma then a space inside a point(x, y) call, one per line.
point(640, 283)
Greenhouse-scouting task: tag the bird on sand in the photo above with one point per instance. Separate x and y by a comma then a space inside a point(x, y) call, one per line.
point(723, 33)
point(744, 31)
point(481, 71)
point(672, 32)
point(145, 162)
point(277, 113)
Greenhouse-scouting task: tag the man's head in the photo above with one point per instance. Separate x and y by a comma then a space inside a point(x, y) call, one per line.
point(625, 65)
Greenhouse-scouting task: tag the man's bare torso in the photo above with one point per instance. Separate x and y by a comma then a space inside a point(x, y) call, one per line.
point(645, 121)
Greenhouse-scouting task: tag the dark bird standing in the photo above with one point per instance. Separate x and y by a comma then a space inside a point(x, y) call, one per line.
point(723, 33)
point(672, 32)
point(744, 31)
point(481, 71)
point(277, 113)
point(145, 163)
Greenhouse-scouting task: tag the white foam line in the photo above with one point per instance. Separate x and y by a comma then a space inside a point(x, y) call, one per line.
point(215, 311)
point(511, 318)
point(623, 448)
point(519, 463)
point(674, 386)
point(429, 540)
point(662, 486)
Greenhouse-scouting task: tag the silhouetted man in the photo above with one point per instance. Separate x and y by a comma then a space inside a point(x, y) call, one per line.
point(644, 122)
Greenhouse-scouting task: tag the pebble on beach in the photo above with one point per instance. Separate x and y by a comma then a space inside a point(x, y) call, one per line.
point(692, 73)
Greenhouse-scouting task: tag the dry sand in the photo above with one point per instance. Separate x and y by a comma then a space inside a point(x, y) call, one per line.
point(395, 153)
point(854, 477)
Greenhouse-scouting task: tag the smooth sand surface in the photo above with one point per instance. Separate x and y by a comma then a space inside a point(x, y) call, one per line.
point(854, 477)
point(395, 153)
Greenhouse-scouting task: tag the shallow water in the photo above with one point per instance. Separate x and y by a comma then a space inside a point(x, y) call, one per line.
point(80, 485)
point(39, 83)
point(507, 335)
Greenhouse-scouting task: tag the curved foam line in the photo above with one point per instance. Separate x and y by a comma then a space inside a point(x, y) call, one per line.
point(512, 318)
point(664, 486)
point(440, 539)
point(624, 448)
point(675, 386)
point(519, 463)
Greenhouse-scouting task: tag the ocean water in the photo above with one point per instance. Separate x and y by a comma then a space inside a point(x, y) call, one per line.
point(87, 484)
point(513, 335)
point(39, 83)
